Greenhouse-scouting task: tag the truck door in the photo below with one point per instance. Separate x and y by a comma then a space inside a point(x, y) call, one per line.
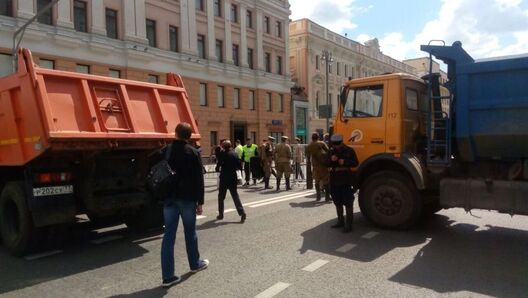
point(363, 120)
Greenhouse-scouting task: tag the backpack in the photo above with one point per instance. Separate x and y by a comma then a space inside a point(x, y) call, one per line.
point(161, 176)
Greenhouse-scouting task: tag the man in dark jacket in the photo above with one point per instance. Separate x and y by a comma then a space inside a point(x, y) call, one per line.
point(341, 160)
point(185, 199)
point(229, 165)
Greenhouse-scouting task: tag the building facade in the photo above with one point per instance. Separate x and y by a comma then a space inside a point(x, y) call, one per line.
point(232, 54)
point(422, 67)
point(350, 60)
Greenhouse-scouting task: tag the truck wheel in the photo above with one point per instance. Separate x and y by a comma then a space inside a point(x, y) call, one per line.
point(390, 200)
point(16, 227)
point(148, 217)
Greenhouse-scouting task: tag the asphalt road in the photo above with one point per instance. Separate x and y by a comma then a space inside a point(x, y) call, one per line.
point(287, 249)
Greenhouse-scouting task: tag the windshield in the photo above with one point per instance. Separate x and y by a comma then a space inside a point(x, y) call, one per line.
point(364, 102)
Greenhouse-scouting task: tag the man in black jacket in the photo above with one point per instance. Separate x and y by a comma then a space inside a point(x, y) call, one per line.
point(229, 165)
point(185, 199)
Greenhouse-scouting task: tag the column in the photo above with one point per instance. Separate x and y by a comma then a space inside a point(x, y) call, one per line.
point(188, 27)
point(25, 9)
point(243, 36)
point(228, 44)
point(211, 37)
point(98, 17)
point(260, 43)
point(64, 17)
point(134, 20)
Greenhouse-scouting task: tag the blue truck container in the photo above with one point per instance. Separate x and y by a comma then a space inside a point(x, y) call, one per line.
point(490, 104)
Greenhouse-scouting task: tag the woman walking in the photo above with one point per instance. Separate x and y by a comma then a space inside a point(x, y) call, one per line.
point(229, 163)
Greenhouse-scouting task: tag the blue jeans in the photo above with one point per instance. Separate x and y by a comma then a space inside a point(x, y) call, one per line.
point(172, 210)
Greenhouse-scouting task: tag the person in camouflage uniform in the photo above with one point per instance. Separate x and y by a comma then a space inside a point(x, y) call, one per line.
point(317, 152)
point(283, 157)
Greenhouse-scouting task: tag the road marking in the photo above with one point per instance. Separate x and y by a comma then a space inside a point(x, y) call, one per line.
point(43, 255)
point(273, 290)
point(106, 239)
point(345, 248)
point(277, 198)
point(370, 235)
point(200, 216)
point(229, 210)
point(315, 265)
point(148, 239)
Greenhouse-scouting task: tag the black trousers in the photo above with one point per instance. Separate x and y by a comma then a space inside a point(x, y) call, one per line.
point(247, 171)
point(234, 194)
point(342, 195)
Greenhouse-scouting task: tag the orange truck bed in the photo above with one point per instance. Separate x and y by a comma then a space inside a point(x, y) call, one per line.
point(42, 110)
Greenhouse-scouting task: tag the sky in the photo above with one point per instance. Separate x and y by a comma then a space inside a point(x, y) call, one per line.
point(486, 28)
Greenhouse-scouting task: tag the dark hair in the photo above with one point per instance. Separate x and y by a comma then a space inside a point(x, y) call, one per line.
point(315, 136)
point(183, 131)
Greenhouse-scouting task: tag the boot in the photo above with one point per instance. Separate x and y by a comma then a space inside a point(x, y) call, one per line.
point(340, 219)
point(327, 193)
point(266, 183)
point(278, 183)
point(288, 184)
point(318, 192)
point(349, 219)
point(220, 210)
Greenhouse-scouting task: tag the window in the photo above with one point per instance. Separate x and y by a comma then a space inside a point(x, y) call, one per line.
point(234, 13)
point(201, 46)
point(219, 51)
point(253, 135)
point(6, 8)
point(249, 19)
point(79, 16)
point(45, 63)
point(114, 73)
point(268, 102)
point(173, 38)
point(236, 98)
point(203, 94)
point(364, 102)
point(111, 23)
point(317, 103)
point(200, 5)
point(235, 55)
point(220, 96)
point(250, 58)
point(279, 65)
point(280, 103)
point(266, 25)
point(317, 61)
point(251, 100)
point(82, 68)
point(411, 97)
point(47, 16)
point(267, 61)
point(153, 78)
point(329, 67)
point(278, 29)
point(346, 70)
point(218, 8)
point(5, 64)
point(213, 138)
point(338, 68)
point(151, 32)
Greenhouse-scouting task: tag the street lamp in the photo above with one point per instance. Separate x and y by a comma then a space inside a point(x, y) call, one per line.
point(327, 59)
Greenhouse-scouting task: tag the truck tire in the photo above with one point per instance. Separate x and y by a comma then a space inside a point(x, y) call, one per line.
point(148, 217)
point(389, 199)
point(16, 226)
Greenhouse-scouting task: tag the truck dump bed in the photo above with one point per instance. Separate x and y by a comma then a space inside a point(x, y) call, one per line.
point(43, 110)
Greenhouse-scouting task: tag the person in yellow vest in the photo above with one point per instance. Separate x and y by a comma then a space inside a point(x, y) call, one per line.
point(249, 150)
point(283, 157)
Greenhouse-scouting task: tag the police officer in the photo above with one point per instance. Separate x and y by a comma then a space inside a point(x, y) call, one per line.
point(249, 150)
point(341, 160)
point(283, 157)
point(266, 156)
point(317, 152)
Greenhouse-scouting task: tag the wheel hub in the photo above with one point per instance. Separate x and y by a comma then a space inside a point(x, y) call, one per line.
point(387, 202)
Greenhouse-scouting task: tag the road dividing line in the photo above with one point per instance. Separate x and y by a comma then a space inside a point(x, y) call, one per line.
point(346, 248)
point(277, 201)
point(277, 198)
point(273, 290)
point(315, 265)
point(42, 255)
point(106, 239)
point(229, 210)
point(200, 216)
point(370, 235)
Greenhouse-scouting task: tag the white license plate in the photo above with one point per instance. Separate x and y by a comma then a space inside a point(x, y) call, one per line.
point(52, 190)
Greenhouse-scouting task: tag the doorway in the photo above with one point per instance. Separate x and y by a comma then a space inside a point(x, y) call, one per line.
point(239, 131)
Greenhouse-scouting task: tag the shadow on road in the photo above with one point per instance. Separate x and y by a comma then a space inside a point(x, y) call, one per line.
point(309, 204)
point(216, 223)
point(454, 257)
point(155, 292)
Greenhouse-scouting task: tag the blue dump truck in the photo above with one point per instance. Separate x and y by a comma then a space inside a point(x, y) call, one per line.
point(424, 146)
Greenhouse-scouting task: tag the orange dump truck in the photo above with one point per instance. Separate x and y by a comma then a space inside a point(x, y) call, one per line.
point(75, 144)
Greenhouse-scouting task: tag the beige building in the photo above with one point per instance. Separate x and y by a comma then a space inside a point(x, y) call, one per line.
point(232, 54)
point(422, 67)
point(350, 59)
